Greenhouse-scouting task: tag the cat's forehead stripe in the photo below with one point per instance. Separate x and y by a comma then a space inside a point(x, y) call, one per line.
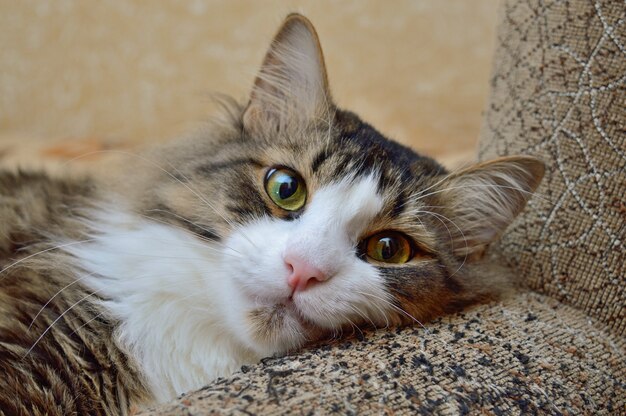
point(208, 169)
point(319, 159)
point(357, 149)
point(398, 205)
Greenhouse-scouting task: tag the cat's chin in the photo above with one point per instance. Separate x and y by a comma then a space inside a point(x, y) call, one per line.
point(281, 327)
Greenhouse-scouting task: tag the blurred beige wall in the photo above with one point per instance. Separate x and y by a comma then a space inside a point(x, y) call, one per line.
point(137, 71)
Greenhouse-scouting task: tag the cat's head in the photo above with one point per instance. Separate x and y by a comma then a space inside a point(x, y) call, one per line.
point(322, 222)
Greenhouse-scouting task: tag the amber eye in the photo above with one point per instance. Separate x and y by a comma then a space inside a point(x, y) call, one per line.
point(286, 188)
point(388, 247)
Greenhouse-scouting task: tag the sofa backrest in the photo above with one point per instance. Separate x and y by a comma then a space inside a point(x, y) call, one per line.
point(559, 93)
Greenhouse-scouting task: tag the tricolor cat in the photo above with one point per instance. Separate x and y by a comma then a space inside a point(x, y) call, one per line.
point(288, 222)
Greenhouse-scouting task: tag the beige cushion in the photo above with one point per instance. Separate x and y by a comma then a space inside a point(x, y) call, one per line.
point(526, 354)
point(559, 92)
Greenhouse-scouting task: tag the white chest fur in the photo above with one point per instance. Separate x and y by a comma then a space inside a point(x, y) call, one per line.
point(164, 286)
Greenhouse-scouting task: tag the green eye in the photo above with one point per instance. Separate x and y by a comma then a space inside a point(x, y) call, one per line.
point(388, 247)
point(286, 188)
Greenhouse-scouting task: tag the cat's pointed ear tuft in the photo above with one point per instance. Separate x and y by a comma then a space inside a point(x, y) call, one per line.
point(291, 87)
point(481, 201)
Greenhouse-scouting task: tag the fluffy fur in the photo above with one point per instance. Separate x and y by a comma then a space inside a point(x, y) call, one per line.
point(130, 292)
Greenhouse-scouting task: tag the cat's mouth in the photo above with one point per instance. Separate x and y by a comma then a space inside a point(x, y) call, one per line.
point(288, 308)
point(291, 307)
point(283, 321)
point(278, 307)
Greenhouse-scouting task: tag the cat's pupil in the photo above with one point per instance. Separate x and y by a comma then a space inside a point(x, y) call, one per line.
point(288, 187)
point(388, 248)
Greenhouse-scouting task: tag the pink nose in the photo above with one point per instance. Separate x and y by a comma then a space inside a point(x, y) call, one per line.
point(302, 273)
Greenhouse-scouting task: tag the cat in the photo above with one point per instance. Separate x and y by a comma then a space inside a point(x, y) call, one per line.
point(285, 223)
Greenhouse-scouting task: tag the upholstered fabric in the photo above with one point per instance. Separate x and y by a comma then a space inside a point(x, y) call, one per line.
point(524, 355)
point(559, 93)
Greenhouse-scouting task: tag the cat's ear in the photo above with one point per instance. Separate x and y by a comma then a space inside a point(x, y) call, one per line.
point(291, 87)
point(481, 201)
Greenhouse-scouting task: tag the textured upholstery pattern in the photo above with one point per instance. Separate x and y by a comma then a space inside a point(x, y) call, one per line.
point(525, 355)
point(559, 93)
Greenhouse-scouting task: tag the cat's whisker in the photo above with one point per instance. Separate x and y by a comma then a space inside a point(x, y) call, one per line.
point(417, 212)
point(439, 182)
point(423, 193)
point(188, 243)
point(337, 329)
point(87, 323)
point(338, 332)
point(354, 327)
point(205, 244)
point(330, 318)
point(362, 314)
point(57, 320)
point(485, 185)
point(95, 292)
point(234, 254)
point(168, 173)
point(417, 196)
point(138, 277)
point(155, 256)
point(383, 314)
point(195, 224)
point(47, 250)
point(233, 225)
point(57, 294)
point(460, 231)
point(334, 330)
point(428, 206)
point(201, 237)
point(397, 308)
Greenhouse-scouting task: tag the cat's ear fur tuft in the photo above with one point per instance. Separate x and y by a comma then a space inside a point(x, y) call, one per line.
point(482, 200)
point(291, 87)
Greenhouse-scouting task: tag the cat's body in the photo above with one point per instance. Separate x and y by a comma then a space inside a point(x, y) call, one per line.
point(76, 368)
point(286, 223)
